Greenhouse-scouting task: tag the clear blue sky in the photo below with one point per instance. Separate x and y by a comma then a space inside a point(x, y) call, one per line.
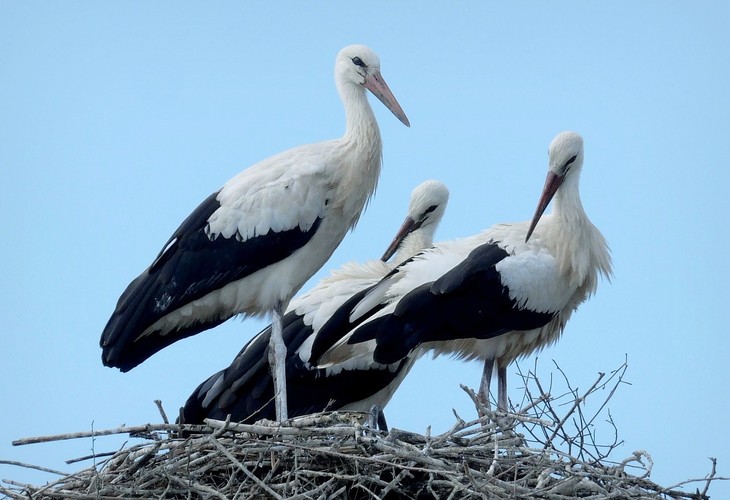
point(118, 118)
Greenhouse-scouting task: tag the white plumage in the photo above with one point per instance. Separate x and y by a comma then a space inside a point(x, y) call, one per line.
point(496, 296)
point(243, 389)
point(425, 211)
point(250, 246)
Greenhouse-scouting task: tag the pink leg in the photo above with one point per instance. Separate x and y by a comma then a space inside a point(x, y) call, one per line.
point(486, 381)
point(277, 362)
point(502, 388)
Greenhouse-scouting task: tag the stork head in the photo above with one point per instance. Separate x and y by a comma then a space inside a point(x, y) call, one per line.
point(427, 207)
point(565, 160)
point(359, 65)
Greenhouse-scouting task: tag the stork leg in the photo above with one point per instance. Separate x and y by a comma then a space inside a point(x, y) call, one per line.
point(486, 382)
point(376, 419)
point(502, 388)
point(277, 362)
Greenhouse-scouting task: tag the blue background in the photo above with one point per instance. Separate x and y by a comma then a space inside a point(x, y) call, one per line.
point(118, 118)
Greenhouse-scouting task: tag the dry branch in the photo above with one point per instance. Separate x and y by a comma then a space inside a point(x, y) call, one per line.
point(546, 449)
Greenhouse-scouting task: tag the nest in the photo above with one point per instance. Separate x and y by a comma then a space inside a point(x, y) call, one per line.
point(532, 453)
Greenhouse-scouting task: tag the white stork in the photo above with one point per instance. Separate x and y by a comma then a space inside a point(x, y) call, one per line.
point(496, 296)
point(251, 245)
point(244, 391)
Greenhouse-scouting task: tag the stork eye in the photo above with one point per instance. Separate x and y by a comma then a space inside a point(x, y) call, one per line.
point(572, 159)
point(358, 62)
point(429, 210)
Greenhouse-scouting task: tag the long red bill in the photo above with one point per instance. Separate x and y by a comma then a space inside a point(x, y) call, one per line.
point(408, 226)
point(375, 84)
point(552, 183)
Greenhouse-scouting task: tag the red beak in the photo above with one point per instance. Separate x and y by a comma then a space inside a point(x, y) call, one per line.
point(408, 226)
point(552, 183)
point(375, 84)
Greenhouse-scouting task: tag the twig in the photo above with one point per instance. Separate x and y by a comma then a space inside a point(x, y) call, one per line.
point(30, 466)
point(328, 455)
point(238, 464)
point(576, 402)
point(162, 411)
point(77, 435)
point(711, 476)
point(89, 457)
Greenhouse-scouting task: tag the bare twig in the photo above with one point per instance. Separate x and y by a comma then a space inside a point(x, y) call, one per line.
point(556, 455)
point(30, 466)
point(139, 429)
point(162, 411)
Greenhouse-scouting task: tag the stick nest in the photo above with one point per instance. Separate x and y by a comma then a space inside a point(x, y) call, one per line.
point(532, 453)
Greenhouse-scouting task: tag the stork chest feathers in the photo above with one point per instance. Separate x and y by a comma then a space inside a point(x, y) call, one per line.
point(581, 252)
point(360, 163)
point(557, 268)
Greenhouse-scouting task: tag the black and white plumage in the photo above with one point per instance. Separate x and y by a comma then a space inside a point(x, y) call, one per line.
point(249, 247)
point(496, 296)
point(244, 390)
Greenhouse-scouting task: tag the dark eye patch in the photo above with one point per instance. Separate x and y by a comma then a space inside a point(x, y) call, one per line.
point(358, 62)
point(425, 213)
point(430, 209)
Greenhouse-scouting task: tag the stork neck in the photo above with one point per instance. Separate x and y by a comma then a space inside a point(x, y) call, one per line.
point(567, 207)
point(412, 244)
point(361, 125)
point(572, 239)
point(361, 151)
point(580, 248)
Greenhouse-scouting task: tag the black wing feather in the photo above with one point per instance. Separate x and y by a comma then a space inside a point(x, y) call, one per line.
point(190, 266)
point(469, 301)
point(339, 324)
point(247, 392)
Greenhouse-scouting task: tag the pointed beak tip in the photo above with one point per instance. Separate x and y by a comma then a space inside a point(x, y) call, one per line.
point(552, 183)
point(529, 232)
point(390, 251)
point(376, 84)
point(408, 226)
